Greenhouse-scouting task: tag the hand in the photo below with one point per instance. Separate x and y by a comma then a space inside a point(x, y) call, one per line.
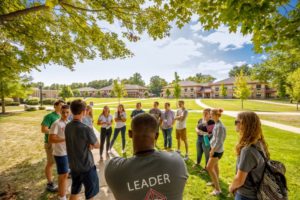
point(231, 189)
point(91, 147)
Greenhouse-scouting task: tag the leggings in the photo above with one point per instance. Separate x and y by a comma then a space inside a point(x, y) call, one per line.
point(116, 133)
point(105, 137)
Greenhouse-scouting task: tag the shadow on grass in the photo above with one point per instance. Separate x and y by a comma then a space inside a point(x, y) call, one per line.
point(201, 173)
point(25, 181)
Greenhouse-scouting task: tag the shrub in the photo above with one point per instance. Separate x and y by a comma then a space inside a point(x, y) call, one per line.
point(49, 101)
point(42, 108)
point(10, 102)
point(32, 101)
point(13, 104)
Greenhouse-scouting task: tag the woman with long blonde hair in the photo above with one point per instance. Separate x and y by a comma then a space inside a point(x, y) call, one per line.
point(216, 151)
point(250, 163)
point(88, 118)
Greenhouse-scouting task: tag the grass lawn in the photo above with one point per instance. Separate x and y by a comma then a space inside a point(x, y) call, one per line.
point(235, 105)
point(22, 156)
point(11, 108)
point(283, 119)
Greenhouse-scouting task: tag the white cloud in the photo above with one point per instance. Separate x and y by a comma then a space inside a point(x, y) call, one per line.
point(263, 57)
point(226, 40)
point(218, 68)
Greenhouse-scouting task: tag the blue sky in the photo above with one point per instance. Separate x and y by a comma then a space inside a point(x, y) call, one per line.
point(188, 51)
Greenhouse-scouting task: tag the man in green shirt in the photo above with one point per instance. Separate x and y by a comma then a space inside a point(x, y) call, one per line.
point(48, 120)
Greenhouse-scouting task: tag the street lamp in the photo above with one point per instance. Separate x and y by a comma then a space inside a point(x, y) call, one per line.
point(41, 94)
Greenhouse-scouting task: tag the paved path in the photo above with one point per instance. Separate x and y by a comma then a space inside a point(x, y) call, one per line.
point(105, 193)
point(264, 122)
point(116, 102)
point(276, 103)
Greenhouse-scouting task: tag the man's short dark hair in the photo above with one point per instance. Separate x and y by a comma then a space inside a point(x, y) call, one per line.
point(144, 124)
point(181, 101)
point(156, 102)
point(65, 106)
point(77, 106)
point(138, 103)
point(56, 103)
point(167, 103)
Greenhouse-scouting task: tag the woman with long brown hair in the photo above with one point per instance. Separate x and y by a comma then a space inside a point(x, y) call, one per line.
point(217, 150)
point(250, 163)
point(105, 121)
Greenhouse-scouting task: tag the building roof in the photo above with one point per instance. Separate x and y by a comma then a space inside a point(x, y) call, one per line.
point(127, 87)
point(231, 80)
point(189, 84)
point(89, 89)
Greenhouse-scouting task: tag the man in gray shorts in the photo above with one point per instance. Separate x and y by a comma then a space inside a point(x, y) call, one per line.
point(149, 174)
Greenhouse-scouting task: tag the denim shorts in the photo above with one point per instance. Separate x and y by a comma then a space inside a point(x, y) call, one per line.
point(90, 181)
point(62, 164)
point(241, 197)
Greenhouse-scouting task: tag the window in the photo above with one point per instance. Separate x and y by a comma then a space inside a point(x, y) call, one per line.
point(217, 88)
point(192, 89)
point(185, 89)
point(216, 95)
point(258, 87)
point(258, 94)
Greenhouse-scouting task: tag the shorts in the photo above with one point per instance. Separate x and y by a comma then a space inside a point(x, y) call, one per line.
point(62, 164)
point(49, 153)
point(90, 181)
point(218, 155)
point(181, 134)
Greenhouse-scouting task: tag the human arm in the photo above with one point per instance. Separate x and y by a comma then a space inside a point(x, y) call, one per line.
point(53, 134)
point(238, 181)
point(91, 139)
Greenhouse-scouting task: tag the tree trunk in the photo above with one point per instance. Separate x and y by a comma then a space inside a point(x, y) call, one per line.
point(242, 104)
point(2, 98)
point(297, 105)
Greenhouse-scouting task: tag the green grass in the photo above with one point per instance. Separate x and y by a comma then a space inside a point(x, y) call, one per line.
point(292, 120)
point(12, 108)
point(22, 156)
point(235, 105)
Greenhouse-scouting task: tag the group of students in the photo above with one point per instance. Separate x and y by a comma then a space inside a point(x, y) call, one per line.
point(165, 120)
point(149, 173)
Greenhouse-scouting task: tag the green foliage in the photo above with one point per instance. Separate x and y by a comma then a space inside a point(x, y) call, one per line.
point(49, 101)
point(168, 92)
point(135, 79)
point(201, 78)
point(76, 93)
point(293, 88)
point(118, 89)
point(277, 68)
point(66, 92)
point(146, 94)
point(32, 101)
point(177, 87)
point(98, 84)
point(156, 85)
point(242, 89)
point(223, 91)
point(236, 70)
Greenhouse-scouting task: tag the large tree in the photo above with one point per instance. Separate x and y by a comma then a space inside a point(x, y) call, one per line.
point(14, 86)
point(136, 79)
point(156, 85)
point(66, 92)
point(242, 89)
point(293, 88)
point(41, 32)
point(177, 87)
point(201, 78)
point(118, 89)
point(235, 71)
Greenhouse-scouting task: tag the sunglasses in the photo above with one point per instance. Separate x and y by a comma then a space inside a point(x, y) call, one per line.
point(236, 122)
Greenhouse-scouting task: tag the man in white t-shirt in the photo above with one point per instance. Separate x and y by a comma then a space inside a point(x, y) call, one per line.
point(57, 138)
point(181, 116)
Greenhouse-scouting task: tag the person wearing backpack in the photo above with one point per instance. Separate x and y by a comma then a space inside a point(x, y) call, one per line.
point(252, 161)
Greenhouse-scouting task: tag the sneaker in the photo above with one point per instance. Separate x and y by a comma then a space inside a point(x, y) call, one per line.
point(186, 157)
point(51, 187)
point(215, 193)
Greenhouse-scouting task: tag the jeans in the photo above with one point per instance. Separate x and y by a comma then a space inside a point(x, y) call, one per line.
point(116, 133)
point(201, 148)
point(167, 133)
point(105, 137)
point(241, 197)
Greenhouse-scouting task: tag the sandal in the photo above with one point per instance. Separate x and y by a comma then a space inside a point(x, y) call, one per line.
point(215, 193)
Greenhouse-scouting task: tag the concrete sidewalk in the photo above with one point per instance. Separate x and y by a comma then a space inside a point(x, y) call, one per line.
point(105, 193)
point(264, 122)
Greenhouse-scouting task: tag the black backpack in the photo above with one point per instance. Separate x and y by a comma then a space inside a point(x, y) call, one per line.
point(273, 184)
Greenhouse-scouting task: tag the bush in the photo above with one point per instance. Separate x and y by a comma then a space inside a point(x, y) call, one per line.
point(32, 101)
point(13, 104)
point(42, 108)
point(29, 108)
point(49, 101)
point(10, 102)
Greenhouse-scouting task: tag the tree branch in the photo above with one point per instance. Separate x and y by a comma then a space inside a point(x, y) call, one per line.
point(15, 14)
